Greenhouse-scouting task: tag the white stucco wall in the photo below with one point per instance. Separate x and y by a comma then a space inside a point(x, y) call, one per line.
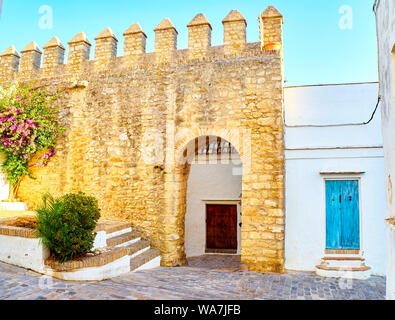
point(4, 185)
point(23, 252)
point(208, 183)
point(386, 43)
point(385, 18)
point(345, 149)
point(329, 105)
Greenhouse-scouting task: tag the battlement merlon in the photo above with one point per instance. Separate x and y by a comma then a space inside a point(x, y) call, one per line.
point(199, 47)
point(9, 63)
point(135, 41)
point(271, 22)
point(106, 47)
point(31, 57)
point(53, 56)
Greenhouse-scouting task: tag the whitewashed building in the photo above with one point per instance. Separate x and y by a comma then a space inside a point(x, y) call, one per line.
point(385, 19)
point(335, 200)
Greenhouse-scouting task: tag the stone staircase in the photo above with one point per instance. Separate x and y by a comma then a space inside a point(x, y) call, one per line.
point(351, 266)
point(142, 256)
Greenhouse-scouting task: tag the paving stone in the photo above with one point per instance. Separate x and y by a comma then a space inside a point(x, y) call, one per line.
point(204, 279)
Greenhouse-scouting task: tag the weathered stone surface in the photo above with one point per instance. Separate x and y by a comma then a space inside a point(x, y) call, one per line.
point(234, 16)
point(129, 121)
point(106, 33)
point(31, 58)
point(10, 51)
point(165, 25)
point(53, 56)
point(271, 12)
point(200, 19)
point(54, 42)
point(135, 41)
point(32, 46)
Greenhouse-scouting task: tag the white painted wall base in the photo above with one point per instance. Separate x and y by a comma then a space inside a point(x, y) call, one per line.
point(391, 262)
point(108, 271)
point(23, 252)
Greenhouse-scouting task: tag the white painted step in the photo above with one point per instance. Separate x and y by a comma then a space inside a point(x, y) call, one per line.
point(343, 266)
point(343, 262)
point(361, 274)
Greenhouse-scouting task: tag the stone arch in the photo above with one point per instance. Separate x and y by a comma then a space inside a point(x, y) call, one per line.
point(172, 232)
point(262, 234)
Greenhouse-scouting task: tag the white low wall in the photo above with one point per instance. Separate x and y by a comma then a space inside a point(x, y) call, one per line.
point(108, 271)
point(30, 253)
point(23, 252)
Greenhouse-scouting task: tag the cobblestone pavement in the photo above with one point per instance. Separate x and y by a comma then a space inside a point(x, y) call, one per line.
point(202, 280)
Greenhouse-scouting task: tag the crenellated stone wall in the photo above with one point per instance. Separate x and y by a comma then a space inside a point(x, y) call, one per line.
point(129, 121)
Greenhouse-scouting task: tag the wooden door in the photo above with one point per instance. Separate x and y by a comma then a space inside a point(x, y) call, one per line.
point(342, 214)
point(221, 227)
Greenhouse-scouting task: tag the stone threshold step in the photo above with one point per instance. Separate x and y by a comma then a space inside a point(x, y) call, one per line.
point(126, 237)
point(343, 268)
point(344, 258)
point(138, 246)
point(143, 258)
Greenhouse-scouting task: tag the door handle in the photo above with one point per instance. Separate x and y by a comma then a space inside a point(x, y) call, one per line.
point(340, 198)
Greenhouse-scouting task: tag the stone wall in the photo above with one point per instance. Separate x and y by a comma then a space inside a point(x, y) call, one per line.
point(129, 121)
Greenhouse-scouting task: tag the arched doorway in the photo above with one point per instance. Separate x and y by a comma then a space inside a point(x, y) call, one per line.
point(262, 205)
point(172, 220)
point(213, 201)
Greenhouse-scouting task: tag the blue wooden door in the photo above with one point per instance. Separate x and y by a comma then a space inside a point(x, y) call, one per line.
point(342, 214)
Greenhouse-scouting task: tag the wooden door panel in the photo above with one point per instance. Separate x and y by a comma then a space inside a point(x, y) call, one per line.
point(350, 215)
point(221, 227)
point(342, 214)
point(333, 215)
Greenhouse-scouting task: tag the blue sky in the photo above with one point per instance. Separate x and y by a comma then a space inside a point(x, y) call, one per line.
point(316, 49)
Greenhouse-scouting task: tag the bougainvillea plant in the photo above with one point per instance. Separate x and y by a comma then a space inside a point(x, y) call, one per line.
point(27, 125)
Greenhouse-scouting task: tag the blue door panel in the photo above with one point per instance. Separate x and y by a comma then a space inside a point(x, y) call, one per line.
point(333, 217)
point(350, 215)
point(342, 214)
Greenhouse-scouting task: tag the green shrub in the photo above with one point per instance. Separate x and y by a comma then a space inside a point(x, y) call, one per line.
point(66, 225)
